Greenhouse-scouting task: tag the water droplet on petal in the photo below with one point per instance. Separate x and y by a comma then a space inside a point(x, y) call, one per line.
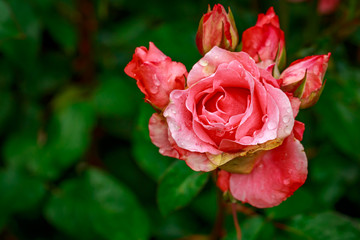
point(289, 110)
point(203, 62)
point(286, 119)
point(246, 140)
point(316, 69)
point(154, 89)
point(286, 181)
point(176, 95)
point(268, 43)
point(287, 130)
point(219, 132)
point(156, 81)
point(264, 118)
point(271, 125)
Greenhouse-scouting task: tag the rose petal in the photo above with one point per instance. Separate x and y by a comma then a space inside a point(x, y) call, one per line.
point(222, 180)
point(298, 130)
point(158, 130)
point(159, 136)
point(179, 120)
point(198, 161)
point(279, 172)
point(269, 18)
point(216, 56)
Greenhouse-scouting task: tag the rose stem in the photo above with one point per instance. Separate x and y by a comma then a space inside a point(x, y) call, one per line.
point(236, 222)
point(217, 231)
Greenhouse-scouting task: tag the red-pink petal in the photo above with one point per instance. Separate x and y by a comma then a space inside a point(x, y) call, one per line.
point(298, 130)
point(223, 180)
point(269, 18)
point(156, 75)
point(279, 172)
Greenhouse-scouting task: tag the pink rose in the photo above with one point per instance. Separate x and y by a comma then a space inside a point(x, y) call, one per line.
point(304, 78)
point(234, 116)
point(265, 42)
point(156, 75)
point(217, 28)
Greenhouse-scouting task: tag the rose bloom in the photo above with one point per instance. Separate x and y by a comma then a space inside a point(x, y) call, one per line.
point(234, 116)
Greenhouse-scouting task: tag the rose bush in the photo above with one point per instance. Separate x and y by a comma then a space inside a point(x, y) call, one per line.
point(236, 113)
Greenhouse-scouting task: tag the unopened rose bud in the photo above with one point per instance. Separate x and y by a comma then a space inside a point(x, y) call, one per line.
point(305, 78)
point(265, 42)
point(217, 28)
point(327, 6)
point(156, 75)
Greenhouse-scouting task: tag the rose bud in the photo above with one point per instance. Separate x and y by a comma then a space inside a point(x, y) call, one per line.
point(156, 75)
point(304, 78)
point(217, 28)
point(327, 6)
point(265, 42)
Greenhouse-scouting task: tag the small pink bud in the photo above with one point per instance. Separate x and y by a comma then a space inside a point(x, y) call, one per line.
point(327, 6)
point(304, 78)
point(223, 180)
point(156, 75)
point(265, 42)
point(217, 28)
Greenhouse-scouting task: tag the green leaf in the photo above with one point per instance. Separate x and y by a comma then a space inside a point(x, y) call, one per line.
point(298, 203)
point(252, 228)
point(63, 32)
point(115, 97)
point(19, 191)
point(95, 206)
point(327, 225)
point(27, 43)
point(179, 186)
point(7, 24)
point(70, 132)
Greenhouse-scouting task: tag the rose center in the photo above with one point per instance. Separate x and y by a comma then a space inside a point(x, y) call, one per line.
point(226, 103)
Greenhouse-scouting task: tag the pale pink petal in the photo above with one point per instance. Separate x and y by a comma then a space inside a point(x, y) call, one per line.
point(159, 136)
point(198, 161)
point(216, 56)
point(278, 173)
point(286, 117)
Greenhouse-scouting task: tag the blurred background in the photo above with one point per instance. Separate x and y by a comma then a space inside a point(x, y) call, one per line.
point(76, 159)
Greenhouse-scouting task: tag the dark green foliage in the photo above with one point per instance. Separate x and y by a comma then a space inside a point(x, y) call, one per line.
point(76, 158)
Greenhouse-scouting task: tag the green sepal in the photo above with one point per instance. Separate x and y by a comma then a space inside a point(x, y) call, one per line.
point(300, 90)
